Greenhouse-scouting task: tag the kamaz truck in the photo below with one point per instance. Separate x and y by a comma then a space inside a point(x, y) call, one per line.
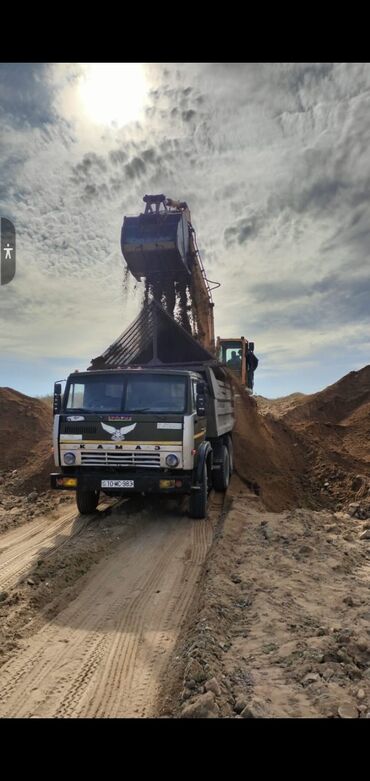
point(139, 421)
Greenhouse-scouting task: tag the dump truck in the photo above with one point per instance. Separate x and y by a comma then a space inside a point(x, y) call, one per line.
point(153, 414)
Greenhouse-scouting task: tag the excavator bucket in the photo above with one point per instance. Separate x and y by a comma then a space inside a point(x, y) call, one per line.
point(156, 245)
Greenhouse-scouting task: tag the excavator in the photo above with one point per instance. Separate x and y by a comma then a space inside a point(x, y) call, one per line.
point(160, 248)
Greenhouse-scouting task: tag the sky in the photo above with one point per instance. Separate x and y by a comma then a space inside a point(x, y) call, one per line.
point(274, 163)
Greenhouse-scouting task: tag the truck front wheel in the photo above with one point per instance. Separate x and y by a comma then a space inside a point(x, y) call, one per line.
point(87, 501)
point(198, 499)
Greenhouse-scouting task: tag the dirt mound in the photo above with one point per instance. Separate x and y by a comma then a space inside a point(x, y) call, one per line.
point(25, 439)
point(336, 402)
point(308, 450)
point(269, 456)
point(356, 437)
point(335, 424)
point(279, 407)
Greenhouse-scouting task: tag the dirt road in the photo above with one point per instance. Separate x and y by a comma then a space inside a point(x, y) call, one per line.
point(19, 547)
point(122, 618)
point(103, 655)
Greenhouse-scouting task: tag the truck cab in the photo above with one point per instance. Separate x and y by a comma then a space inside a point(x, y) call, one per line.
point(143, 430)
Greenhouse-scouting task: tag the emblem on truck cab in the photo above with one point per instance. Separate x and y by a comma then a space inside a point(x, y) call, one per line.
point(118, 433)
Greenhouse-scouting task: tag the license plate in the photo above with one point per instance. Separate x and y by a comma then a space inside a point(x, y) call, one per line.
point(117, 484)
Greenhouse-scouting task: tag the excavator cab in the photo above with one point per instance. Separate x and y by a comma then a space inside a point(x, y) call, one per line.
point(233, 354)
point(156, 243)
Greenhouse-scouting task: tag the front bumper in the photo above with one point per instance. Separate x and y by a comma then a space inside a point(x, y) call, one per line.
point(143, 483)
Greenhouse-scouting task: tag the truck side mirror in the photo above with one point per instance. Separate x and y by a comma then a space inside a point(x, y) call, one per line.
point(201, 399)
point(57, 403)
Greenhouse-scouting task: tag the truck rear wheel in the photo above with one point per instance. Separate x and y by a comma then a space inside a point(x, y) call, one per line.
point(87, 501)
point(198, 499)
point(221, 476)
point(230, 448)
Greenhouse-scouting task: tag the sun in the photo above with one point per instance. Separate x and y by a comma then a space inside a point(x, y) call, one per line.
point(113, 92)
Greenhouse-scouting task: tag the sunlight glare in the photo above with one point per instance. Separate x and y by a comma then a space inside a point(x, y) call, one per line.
point(113, 92)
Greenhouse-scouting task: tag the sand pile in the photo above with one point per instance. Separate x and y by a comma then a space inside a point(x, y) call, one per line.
point(270, 457)
point(335, 403)
point(25, 439)
point(334, 427)
point(279, 407)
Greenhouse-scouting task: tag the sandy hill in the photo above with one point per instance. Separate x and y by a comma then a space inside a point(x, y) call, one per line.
point(280, 406)
point(315, 448)
point(25, 437)
point(338, 419)
point(336, 403)
point(333, 426)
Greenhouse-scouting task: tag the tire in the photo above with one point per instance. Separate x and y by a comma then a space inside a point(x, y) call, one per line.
point(87, 501)
point(198, 499)
point(221, 477)
point(230, 448)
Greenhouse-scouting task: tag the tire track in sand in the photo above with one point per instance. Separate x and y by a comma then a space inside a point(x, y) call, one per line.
point(19, 546)
point(104, 655)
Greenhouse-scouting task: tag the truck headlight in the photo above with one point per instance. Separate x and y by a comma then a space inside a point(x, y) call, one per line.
point(69, 458)
point(172, 460)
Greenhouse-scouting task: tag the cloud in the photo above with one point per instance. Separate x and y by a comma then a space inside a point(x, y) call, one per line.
point(25, 94)
point(188, 115)
point(242, 230)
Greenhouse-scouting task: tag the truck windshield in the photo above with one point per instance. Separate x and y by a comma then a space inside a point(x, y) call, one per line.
point(135, 393)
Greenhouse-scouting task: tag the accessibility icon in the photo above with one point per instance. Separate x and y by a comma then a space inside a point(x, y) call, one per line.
point(8, 251)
